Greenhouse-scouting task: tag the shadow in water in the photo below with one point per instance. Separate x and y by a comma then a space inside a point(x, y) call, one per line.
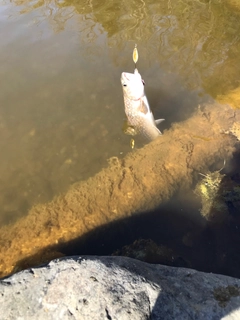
point(209, 245)
point(171, 101)
point(107, 239)
point(223, 227)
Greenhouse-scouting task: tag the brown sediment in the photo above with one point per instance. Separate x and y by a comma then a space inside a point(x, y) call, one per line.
point(141, 181)
point(232, 97)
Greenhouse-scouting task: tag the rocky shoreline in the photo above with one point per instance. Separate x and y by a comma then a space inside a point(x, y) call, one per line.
point(92, 287)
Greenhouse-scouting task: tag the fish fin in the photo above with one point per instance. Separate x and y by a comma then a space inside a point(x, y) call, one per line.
point(155, 133)
point(159, 121)
point(144, 106)
point(160, 133)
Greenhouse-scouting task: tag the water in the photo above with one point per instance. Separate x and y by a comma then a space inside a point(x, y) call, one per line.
point(61, 105)
point(55, 106)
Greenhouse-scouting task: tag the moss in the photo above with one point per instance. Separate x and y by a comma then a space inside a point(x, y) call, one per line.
point(224, 294)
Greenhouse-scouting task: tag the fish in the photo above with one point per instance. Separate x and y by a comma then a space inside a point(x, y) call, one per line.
point(137, 109)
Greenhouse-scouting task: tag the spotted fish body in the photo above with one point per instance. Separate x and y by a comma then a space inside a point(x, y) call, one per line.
point(137, 109)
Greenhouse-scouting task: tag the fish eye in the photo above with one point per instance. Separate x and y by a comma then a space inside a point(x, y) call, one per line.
point(124, 84)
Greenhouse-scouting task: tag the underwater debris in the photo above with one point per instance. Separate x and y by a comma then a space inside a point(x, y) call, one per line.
point(208, 190)
point(220, 195)
point(234, 130)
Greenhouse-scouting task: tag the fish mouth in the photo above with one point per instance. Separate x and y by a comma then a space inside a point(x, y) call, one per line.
point(132, 85)
point(124, 76)
point(129, 77)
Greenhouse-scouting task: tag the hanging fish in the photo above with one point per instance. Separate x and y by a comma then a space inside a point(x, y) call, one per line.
point(137, 109)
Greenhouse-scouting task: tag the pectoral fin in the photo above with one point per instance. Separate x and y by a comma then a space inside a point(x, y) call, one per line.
point(143, 108)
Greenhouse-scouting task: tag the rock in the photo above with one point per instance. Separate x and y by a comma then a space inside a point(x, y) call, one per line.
point(91, 287)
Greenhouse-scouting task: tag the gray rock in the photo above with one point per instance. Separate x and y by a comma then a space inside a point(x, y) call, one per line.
point(117, 288)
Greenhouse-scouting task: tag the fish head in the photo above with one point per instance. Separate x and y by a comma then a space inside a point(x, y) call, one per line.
point(133, 85)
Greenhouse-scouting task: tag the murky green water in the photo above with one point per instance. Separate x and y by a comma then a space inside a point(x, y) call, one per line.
point(61, 105)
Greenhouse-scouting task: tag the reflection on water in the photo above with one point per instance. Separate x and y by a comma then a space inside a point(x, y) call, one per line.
point(198, 39)
point(61, 106)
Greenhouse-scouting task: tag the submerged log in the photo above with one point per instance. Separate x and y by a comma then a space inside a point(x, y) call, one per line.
point(141, 181)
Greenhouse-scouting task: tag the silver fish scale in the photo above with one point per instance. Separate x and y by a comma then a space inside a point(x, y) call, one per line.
point(139, 123)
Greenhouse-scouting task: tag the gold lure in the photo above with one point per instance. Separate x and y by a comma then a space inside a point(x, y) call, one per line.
point(135, 55)
point(132, 143)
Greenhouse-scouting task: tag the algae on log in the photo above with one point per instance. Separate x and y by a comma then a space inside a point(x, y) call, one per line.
point(141, 181)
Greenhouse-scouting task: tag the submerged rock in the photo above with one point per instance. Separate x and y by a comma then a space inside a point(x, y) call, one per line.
point(138, 183)
point(148, 251)
point(117, 288)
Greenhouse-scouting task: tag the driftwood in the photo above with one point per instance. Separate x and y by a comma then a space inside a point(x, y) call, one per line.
point(141, 181)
